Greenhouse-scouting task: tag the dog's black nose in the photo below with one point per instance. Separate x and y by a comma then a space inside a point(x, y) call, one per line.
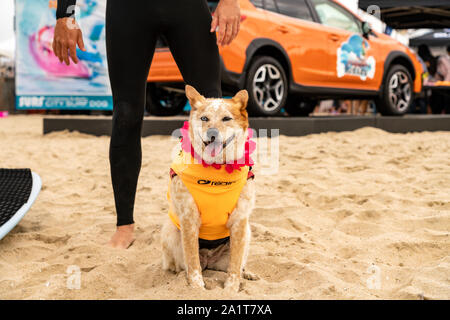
point(212, 134)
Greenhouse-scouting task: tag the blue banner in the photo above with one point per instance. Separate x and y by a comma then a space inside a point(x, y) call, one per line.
point(42, 82)
point(32, 102)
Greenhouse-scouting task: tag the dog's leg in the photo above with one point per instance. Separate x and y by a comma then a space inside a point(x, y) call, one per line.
point(189, 238)
point(189, 217)
point(240, 236)
point(172, 259)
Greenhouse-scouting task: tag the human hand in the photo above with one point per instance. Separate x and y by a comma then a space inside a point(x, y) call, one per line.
point(228, 18)
point(67, 36)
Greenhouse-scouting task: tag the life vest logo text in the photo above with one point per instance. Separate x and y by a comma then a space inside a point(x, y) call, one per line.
point(215, 183)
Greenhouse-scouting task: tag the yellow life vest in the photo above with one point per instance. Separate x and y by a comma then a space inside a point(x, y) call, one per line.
point(215, 191)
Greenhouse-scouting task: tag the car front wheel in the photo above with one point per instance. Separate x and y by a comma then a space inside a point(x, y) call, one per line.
point(398, 94)
point(267, 86)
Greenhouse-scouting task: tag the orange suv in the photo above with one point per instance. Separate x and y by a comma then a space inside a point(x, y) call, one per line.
point(291, 53)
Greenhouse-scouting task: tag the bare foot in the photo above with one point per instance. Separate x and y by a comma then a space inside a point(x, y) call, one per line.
point(123, 238)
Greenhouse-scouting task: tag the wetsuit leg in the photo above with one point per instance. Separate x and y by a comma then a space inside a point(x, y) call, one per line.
point(193, 47)
point(130, 43)
point(131, 33)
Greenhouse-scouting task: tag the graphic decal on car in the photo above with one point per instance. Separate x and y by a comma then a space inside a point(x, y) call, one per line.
point(352, 59)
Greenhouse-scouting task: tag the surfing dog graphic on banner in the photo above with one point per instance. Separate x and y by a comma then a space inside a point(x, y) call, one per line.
point(352, 58)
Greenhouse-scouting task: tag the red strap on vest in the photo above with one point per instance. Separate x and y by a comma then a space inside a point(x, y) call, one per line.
point(172, 173)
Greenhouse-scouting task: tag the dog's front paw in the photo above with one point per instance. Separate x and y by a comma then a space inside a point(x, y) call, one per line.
point(195, 280)
point(250, 276)
point(232, 283)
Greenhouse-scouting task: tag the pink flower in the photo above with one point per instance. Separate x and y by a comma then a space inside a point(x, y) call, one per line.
point(246, 160)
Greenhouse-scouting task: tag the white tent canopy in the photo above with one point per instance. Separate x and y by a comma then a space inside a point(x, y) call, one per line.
point(7, 41)
point(7, 48)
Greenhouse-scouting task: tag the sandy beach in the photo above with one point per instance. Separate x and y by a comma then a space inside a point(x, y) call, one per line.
point(352, 215)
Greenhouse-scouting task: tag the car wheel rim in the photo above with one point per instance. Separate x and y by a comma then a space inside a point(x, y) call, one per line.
point(268, 87)
point(400, 91)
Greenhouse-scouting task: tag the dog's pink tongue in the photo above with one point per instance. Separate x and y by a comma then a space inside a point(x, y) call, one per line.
point(213, 149)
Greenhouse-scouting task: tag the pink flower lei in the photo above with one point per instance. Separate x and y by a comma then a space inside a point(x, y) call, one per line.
point(246, 159)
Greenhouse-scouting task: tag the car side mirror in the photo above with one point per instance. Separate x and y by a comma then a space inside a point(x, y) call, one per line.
point(366, 29)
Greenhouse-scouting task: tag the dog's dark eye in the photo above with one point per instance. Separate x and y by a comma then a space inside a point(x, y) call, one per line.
point(204, 118)
point(226, 119)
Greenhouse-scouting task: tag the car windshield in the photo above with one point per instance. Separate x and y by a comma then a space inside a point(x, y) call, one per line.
point(331, 14)
point(294, 8)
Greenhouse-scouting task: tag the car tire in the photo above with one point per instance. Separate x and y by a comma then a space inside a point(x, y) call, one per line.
point(397, 93)
point(298, 107)
point(267, 86)
point(161, 102)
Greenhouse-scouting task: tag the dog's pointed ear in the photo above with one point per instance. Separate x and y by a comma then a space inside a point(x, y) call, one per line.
point(195, 98)
point(241, 98)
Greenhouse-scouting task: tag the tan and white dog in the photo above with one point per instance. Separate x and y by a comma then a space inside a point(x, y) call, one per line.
point(218, 130)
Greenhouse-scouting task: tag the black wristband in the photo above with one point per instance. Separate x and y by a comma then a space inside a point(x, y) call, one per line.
point(66, 8)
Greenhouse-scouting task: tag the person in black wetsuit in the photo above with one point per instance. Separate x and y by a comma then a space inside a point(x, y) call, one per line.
point(132, 29)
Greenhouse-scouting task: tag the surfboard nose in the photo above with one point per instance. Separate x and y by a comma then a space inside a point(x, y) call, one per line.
point(19, 189)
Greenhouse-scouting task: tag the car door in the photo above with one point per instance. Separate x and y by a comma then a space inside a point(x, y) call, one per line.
point(351, 57)
point(293, 27)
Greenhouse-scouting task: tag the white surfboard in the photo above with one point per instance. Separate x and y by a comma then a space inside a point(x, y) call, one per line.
point(15, 219)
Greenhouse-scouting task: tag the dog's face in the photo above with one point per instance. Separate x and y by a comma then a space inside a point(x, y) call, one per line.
point(218, 127)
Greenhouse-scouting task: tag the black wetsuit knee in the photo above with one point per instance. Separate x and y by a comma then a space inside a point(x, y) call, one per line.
point(127, 123)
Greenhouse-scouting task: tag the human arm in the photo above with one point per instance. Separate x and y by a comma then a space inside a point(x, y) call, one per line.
point(65, 8)
point(67, 32)
point(228, 18)
point(443, 68)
